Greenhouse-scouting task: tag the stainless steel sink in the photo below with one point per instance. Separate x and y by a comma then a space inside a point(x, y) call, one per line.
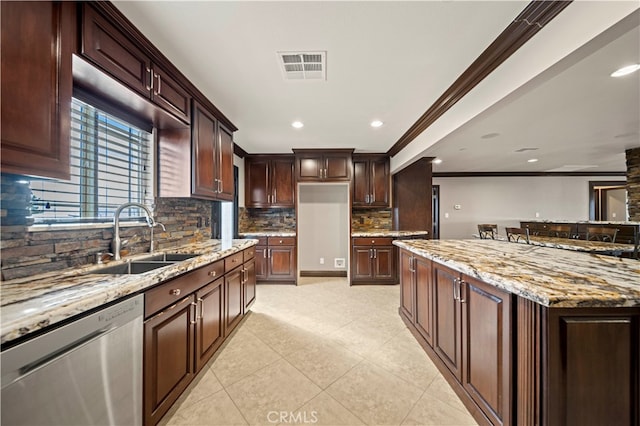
point(169, 257)
point(134, 267)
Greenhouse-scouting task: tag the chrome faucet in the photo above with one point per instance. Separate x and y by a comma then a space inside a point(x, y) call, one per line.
point(116, 244)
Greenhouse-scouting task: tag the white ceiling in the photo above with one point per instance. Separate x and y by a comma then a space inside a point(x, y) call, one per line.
point(390, 61)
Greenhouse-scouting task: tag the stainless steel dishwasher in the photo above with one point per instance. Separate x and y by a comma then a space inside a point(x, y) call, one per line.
point(87, 372)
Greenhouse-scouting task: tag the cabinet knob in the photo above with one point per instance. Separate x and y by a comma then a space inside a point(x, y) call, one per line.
point(212, 273)
point(175, 292)
point(280, 241)
point(373, 241)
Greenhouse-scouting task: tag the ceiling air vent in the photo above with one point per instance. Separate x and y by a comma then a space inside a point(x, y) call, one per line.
point(303, 65)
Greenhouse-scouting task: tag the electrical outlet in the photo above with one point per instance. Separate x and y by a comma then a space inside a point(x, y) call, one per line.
point(537, 214)
point(457, 206)
point(322, 260)
point(338, 262)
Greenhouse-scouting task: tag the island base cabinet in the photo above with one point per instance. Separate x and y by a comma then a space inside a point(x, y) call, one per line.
point(593, 367)
point(168, 357)
point(447, 341)
point(486, 348)
point(234, 304)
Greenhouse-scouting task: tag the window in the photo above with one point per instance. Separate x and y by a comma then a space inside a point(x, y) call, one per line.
point(110, 165)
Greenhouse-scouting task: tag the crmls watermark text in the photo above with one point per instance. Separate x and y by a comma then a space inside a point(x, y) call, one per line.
point(292, 417)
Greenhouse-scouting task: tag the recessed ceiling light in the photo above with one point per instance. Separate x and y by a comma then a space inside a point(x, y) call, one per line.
point(376, 123)
point(532, 160)
point(436, 161)
point(297, 124)
point(490, 135)
point(625, 70)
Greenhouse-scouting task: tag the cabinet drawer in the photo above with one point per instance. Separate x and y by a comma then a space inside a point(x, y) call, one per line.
point(176, 289)
point(249, 253)
point(282, 241)
point(233, 261)
point(372, 241)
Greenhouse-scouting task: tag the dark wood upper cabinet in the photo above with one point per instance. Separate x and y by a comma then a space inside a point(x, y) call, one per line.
point(269, 181)
point(112, 50)
point(323, 165)
point(204, 154)
point(224, 163)
point(38, 40)
point(371, 180)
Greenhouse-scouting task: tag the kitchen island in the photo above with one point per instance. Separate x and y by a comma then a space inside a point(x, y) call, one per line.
point(527, 334)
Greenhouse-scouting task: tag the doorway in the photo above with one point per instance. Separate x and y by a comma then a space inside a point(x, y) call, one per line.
point(608, 201)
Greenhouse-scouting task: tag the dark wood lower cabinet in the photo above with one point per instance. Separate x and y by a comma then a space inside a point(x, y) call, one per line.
point(486, 348)
point(373, 261)
point(186, 321)
point(168, 357)
point(515, 362)
point(447, 318)
point(209, 321)
point(234, 305)
point(275, 260)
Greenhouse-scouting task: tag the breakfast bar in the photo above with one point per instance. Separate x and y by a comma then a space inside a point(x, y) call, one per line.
point(527, 334)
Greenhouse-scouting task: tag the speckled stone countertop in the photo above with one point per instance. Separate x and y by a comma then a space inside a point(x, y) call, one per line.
point(390, 234)
point(32, 303)
point(550, 277)
point(588, 222)
point(267, 234)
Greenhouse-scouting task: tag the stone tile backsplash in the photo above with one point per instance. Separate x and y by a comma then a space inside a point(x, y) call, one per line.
point(256, 220)
point(26, 252)
point(371, 220)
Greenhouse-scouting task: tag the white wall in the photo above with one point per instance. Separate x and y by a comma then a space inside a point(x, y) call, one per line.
point(508, 200)
point(323, 226)
point(237, 161)
point(617, 204)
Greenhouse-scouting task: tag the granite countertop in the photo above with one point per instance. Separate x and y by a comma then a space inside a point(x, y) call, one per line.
point(587, 222)
point(267, 234)
point(391, 234)
point(550, 277)
point(579, 245)
point(32, 303)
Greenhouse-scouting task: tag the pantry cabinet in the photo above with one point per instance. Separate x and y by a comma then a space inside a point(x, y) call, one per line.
point(269, 181)
point(323, 165)
point(371, 181)
point(37, 42)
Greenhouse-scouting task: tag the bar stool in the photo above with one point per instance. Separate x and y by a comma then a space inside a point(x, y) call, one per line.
point(515, 234)
point(487, 231)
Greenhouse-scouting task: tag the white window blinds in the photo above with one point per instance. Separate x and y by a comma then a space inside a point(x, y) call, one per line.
point(111, 164)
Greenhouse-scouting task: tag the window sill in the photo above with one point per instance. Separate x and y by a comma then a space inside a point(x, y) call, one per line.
point(80, 226)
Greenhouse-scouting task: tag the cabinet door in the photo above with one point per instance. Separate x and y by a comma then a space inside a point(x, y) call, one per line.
point(111, 50)
point(282, 263)
point(225, 164)
point(262, 263)
point(384, 263)
point(337, 167)
point(169, 94)
point(249, 284)
point(257, 186)
point(283, 184)
point(486, 348)
point(36, 46)
point(168, 357)
point(361, 185)
point(210, 321)
point(424, 298)
point(309, 167)
point(379, 182)
point(233, 296)
point(407, 286)
point(204, 170)
point(362, 263)
point(447, 334)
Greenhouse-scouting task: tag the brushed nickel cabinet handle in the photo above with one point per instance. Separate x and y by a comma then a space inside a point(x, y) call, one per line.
point(159, 88)
point(201, 306)
point(149, 85)
point(194, 313)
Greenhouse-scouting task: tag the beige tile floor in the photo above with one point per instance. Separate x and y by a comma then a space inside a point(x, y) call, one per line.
point(320, 353)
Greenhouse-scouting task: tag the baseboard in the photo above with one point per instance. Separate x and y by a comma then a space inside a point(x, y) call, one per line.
point(323, 273)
